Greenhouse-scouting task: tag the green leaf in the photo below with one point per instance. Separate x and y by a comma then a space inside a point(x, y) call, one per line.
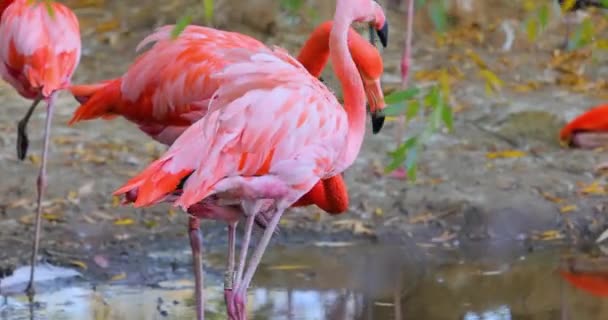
point(543, 16)
point(410, 162)
point(180, 26)
point(399, 96)
point(412, 109)
point(447, 116)
point(400, 154)
point(208, 6)
point(438, 15)
point(394, 110)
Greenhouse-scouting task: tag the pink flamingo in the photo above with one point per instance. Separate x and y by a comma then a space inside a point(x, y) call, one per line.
point(40, 49)
point(115, 97)
point(271, 132)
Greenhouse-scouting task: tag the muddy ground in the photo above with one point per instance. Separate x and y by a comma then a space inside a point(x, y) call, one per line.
point(468, 189)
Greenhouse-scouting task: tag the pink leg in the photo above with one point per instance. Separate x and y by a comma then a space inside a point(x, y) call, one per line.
point(197, 263)
point(406, 62)
point(241, 289)
point(41, 186)
point(229, 276)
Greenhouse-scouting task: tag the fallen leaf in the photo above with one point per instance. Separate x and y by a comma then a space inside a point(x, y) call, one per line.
point(51, 216)
point(568, 208)
point(505, 154)
point(379, 212)
point(79, 264)
point(550, 197)
point(550, 235)
point(422, 218)
point(594, 188)
point(288, 267)
point(118, 277)
point(445, 236)
point(124, 222)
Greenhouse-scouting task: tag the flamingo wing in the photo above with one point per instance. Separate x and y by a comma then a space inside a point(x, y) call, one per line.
point(169, 84)
point(39, 51)
point(269, 117)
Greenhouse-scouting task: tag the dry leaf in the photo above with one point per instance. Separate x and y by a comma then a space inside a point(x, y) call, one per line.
point(288, 267)
point(119, 276)
point(124, 222)
point(79, 264)
point(568, 208)
point(551, 235)
point(594, 188)
point(505, 154)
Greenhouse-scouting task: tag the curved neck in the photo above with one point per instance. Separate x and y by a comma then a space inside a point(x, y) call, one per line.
point(315, 52)
point(352, 87)
point(3, 5)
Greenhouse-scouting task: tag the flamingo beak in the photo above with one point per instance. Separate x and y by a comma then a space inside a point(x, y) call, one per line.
point(375, 99)
point(382, 34)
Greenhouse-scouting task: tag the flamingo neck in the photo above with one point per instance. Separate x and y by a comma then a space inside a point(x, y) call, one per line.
point(315, 52)
point(352, 87)
point(3, 5)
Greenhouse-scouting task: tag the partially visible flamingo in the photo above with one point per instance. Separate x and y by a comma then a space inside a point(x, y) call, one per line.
point(587, 131)
point(271, 132)
point(111, 98)
point(39, 51)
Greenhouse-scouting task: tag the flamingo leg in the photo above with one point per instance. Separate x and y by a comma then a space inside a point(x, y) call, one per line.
point(41, 186)
point(22, 140)
point(241, 289)
point(229, 276)
point(196, 245)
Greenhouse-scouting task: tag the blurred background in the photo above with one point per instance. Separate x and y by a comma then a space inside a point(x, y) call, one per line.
point(485, 216)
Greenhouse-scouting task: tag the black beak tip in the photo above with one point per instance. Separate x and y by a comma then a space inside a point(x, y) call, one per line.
point(377, 122)
point(383, 34)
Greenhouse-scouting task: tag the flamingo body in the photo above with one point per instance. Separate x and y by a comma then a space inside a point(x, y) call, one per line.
point(39, 52)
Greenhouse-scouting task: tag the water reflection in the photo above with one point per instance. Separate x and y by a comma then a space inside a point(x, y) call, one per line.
point(360, 283)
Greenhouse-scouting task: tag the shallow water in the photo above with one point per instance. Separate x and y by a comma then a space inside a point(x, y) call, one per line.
point(359, 283)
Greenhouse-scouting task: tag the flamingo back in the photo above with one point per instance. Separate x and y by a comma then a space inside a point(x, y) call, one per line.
point(39, 50)
point(269, 117)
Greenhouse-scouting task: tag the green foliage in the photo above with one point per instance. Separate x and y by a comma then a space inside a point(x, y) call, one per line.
point(409, 102)
point(180, 26)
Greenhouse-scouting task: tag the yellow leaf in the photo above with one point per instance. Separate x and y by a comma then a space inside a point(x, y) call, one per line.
point(79, 264)
point(34, 159)
point(288, 267)
point(171, 212)
point(51, 216)
point(593, 188)
point(567, 5)
point(568, 208)
point(476, 59)
point(379, 212)
point(72, 195)
point(551, 235)
point(124, 222)
point(551, 197)
point(119, 276)
point(115, 201)
point(505, 154)
point(493, 82)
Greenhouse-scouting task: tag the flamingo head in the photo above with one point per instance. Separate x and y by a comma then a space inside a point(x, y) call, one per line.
point(369, 62)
